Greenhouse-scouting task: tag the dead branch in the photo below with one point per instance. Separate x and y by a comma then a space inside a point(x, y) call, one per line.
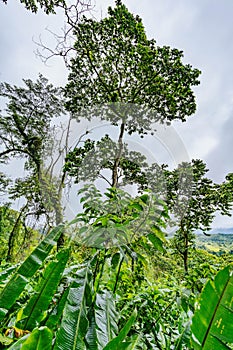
point(63, 47)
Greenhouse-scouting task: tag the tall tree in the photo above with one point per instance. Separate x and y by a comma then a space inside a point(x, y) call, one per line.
point(194, 200)
point(26, 132)
point(119, 75)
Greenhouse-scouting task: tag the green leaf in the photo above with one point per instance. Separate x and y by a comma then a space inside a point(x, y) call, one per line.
point(106, 318)
point(5, 273)
point(37, 306)
point(19, 343)
point(117, 342)
point(56, 315)
point(184, 338)
point(21, 277)
point(145, 198)
point(156, 241)
point(91, 336)
point(212, 323)
point(135, 342)
point(4, 340)
point(74, 323)
point(115, 260)
point(40, 339)
point(136, 206)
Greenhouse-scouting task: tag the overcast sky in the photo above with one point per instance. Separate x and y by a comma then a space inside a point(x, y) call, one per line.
point(203, 29)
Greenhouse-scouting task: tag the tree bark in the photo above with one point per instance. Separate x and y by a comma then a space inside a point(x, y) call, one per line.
point(118, 156)
point(12, 236)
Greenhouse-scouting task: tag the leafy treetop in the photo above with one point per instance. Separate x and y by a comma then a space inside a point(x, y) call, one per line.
point(47, 5)
point(115, 64)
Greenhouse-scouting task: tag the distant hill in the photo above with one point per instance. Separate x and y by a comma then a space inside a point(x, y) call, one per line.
point(221, 230)
point(227, 231)
point(217, 243)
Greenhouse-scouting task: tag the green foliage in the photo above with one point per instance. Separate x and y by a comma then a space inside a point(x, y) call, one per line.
point(87, 163)
point(26, 132)
point(194, 199)
point(39, 339)
point(116, 64)
point(47, 6)
point(212, 324)
point(16, 238)
point(87, 320)
point(28, 268)
point(75, 308)
point(117, 342)
point(124, 287)
point(217, 243)
point(35, 310)
point(25, 126)
point(121, 219)
point(74, 322)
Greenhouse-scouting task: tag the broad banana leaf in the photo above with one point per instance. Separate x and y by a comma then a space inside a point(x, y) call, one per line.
point(212, 323)
point(135, 343)
point(102, 321)
point(74, 323)
point(20, 278)
point(119, 341)
point(56, 314)
point(40, 339)
point(35, 310)
point(5, 273)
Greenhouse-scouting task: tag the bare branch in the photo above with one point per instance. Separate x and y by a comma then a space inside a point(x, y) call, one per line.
point(72, 13)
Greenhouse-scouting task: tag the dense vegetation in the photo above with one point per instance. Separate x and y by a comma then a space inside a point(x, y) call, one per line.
point(110, 278)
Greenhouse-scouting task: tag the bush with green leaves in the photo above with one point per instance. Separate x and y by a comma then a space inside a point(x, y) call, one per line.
point(48, 302)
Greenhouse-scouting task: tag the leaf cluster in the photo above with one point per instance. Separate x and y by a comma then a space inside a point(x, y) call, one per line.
point(117, 68)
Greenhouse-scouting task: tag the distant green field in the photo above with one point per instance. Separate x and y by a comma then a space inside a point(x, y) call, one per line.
point(216, 243)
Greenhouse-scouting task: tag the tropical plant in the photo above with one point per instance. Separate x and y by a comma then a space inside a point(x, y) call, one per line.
point(76, 317)
point(212, 323)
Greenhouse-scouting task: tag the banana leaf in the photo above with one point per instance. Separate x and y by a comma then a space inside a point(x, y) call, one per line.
point(56, 314)
point(40, 339)
point(102, 321)
point(74, 322)
point(35, 310)
point(134, 343)
point(27, 269)
point(212, 323)
point(119, 341)
point(6, 273)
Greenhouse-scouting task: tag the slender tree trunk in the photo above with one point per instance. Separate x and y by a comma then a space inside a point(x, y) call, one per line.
point(118, 275)
point(59, 218)
point(185, 260)
point(185, 253)
point(12, 236)
point(118, 156)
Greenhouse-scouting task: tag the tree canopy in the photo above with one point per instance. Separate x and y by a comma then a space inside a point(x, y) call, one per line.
point(116, 64)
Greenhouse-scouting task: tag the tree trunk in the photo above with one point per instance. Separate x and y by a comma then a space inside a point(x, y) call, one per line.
point(185, 254)
point(118, 156)
point(12, 236)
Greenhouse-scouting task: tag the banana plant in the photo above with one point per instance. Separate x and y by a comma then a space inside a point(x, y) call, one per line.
point(36, 309)
point(40, 338)
point(74, 324)
point(83, 317)
point(26, 270)
point(103, 321)
point(212, 324)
